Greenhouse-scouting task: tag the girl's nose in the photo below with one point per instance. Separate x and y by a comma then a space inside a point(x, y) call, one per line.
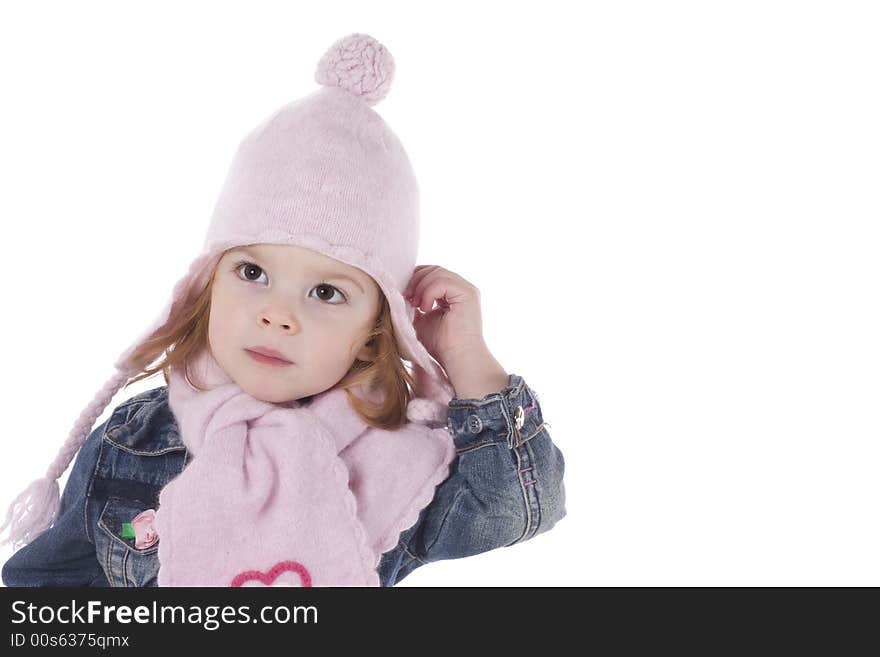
point(284, 322)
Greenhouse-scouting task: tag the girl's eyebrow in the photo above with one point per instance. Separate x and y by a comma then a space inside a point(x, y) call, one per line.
point(329, 274)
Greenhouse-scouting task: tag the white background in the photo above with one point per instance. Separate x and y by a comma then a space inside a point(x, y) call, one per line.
point(670, 209)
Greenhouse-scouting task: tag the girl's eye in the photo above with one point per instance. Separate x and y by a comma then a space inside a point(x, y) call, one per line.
point(326, 292)
point(249, 269)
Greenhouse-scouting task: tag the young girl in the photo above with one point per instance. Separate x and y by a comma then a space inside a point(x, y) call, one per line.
point(291, 446)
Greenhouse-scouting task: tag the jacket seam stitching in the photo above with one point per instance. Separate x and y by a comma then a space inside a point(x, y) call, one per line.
point(125, 579)
point(89, 536)
point(108, 571)
point(516, 448)
point(131, 406)
point(537, 430)
point(480, 445)
point(525, 497)
point(165, 450)
point(536, 492)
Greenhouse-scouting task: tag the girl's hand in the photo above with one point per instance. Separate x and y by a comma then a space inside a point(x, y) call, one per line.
point(453, 332)
point(455, 327)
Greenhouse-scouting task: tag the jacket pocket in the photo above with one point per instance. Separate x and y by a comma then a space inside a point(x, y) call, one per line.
point(123, 563)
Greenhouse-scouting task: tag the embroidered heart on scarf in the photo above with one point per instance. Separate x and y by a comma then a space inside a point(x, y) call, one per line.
point(286, 573)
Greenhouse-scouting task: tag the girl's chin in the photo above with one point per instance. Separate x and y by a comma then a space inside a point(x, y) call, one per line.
point(260, 390)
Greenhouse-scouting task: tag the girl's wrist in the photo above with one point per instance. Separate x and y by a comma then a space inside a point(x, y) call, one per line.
point(475, 373)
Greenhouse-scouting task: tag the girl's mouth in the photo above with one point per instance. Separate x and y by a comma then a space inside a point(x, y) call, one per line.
point(267, 360)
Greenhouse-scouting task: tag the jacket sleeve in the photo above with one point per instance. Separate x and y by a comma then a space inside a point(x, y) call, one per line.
point(505, 484)
point(64, 554)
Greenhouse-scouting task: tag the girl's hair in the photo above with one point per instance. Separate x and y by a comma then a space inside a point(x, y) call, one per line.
point(386, 370)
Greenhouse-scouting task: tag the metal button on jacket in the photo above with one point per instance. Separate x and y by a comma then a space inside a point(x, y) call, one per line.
point(519, 417)
point(475, 424)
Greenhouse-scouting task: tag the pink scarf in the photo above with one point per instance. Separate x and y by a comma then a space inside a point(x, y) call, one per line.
point(288, 494)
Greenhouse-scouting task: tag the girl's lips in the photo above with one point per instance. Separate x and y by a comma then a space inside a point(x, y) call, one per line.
point(267, 360)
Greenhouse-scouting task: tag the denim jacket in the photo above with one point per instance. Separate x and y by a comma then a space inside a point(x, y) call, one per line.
point(504, 487)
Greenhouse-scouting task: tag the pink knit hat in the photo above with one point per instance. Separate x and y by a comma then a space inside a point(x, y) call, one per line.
point(326, 173)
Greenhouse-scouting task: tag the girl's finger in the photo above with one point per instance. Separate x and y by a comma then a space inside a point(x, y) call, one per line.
point(443, 289)
point(433, 286)
point(427, 290)
point(438, 284)
point(417, 277)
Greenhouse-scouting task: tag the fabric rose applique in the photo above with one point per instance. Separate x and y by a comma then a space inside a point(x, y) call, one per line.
point(144, 533)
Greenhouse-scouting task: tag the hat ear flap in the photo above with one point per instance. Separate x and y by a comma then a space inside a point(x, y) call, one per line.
point(432, 388)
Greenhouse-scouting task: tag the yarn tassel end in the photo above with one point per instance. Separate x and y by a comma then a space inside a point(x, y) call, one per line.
point(32, 512)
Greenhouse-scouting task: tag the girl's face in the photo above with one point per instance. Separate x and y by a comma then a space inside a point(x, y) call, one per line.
point(315, 310)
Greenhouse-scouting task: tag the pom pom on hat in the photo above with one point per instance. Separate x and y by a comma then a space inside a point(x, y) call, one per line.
point(360, 65)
